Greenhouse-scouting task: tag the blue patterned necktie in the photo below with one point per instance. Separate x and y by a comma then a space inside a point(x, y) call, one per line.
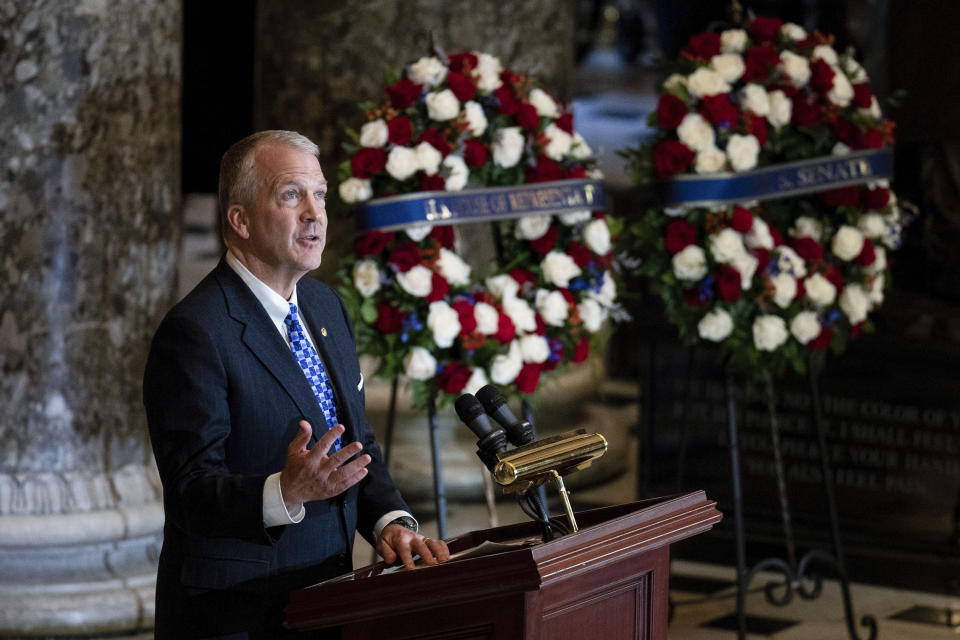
point(312, 368)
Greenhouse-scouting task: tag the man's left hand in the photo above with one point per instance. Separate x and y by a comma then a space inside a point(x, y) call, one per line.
point(399, 542)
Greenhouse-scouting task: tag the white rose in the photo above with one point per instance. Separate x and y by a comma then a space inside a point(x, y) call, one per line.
point(792, 31)
point(543, 103)
point(690, 263)
point(532, 227)
point(880, 261)
point(715, 326)
point(420, 364)
point(506, 367)
point(559, 144)
point(726, 245)
point(753, 97)
point(805, 326)
point(507, 146)
point(769, 332)
point(428, 71)
point(746, 265)
point(840, 149)
point(710, 160)
point(478, 380)
point(487, 317)
point(520, 313)
point(874, 109)
point(402, 162)
point(444, 322)
point(729, 65)
point(475, 117)
point(487, 72)
point(608, 291)
point(596, 235)
point(428, 158)
point(759, 236)
point(706, 82)
point(580, 149)
point(788, 261)
point(453, 268)
point(855, 303)
point(820, 291)
point(806, 227)
point(558, 268)
point(366, 277)
point(842, 92)
point(856, 72)
point(695, 132)
point(442, 105)
point(674, 83)
point(418, 232)
point(796, 68)
point(458, 173)
point(534, 348)
point(374, 134)
point(872, 225)
point(676, 212)
point(592, 315)
point(826, 53)
point(781, 108)
point(847, 243)
point(503, 286)
point(876, 290)
point(733, 40)
point(574, 218)
point(355, 190)
point(418, 281)
point(552, 306)
point(743, 151)
point(784, 289)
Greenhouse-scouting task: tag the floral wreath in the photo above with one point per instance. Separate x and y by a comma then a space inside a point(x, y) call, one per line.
point(458, 122)
point(770, 281)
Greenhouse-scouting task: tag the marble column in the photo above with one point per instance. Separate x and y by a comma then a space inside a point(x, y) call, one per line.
point(89, 209)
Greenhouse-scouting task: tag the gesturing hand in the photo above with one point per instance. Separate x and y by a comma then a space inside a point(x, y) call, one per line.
point(312, 474)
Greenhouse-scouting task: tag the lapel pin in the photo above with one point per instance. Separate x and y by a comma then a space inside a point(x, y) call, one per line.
point(323, 331)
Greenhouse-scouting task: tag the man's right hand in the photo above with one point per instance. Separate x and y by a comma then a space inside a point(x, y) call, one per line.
point(312, 474)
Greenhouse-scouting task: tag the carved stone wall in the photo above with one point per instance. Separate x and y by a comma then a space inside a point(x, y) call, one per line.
point(89, 229)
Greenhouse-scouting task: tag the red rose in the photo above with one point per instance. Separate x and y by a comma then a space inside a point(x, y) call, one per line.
point(788, 90)
point(432, 183)
point(454, 377)
point(670, 111)
point(438, 289)
point(855, 330)
point(845, 131)
point(372, 243)
point(399, 130)
point(605, 261)
point(567, 295)
point(580, 254)
point(575, 172)
point(508, 103)
point(862, 95)
point(842, 197)
point(867, 255)
point(821, 76)
point(741, 220)
point(759, 62)
point(871, 139)
point(435, 138)
point(694, 298)
point(822, 341)
point(405, 256)
point(582, 350)
point(389, 318)
point(468, 322)
point(368, 162)
point(443, 234)
point(463, 62)
point(461, 85)
point(541, 329)
point(475, 153)
point(757, 127)
point(522, 276)
point(806, 113)
point(776, 235)
point(763, 258)
point(876, 199)
point(680, 234)
point(728, 283)
point(808, 248)
point(835, 277)
point(765, 29)
point(718, 109)
point(528, 378)
point(505, 329)
point(403, 93)
point(565, 122)
point(671, 157)
point(801, 290)
point(526, 116)
point(545, 170)
point(703, 46)
point(545, 243)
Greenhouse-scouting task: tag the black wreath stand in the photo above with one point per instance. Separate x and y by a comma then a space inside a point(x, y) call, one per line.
point(799, 576)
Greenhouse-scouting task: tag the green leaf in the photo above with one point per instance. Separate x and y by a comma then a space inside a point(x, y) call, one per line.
point(368, 311)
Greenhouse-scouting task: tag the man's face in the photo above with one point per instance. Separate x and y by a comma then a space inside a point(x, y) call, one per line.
point(287, 219)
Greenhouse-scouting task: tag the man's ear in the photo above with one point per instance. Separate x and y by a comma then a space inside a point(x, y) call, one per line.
point(239, 220)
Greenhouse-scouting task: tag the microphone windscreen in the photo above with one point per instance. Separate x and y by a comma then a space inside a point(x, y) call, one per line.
point(468, 408)
point(491, 398)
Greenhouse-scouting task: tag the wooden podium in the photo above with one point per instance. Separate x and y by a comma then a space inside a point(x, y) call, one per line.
point(609, 581)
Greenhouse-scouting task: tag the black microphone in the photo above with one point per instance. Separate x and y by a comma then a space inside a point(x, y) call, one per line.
point(491, 441)
point(519, 432)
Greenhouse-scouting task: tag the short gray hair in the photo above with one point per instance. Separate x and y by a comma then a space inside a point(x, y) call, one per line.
point(239, 179)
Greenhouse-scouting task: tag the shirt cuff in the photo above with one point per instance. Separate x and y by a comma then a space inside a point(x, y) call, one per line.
point(275, 512)
point(387, 519)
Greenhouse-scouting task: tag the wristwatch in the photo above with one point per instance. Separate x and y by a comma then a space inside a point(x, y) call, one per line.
point(406, 522)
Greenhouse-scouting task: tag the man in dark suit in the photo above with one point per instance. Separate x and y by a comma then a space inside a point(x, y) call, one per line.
point(255, 405)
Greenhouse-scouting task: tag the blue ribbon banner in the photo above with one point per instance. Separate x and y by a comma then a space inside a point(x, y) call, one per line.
point(781, 180)
point(480, 205)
